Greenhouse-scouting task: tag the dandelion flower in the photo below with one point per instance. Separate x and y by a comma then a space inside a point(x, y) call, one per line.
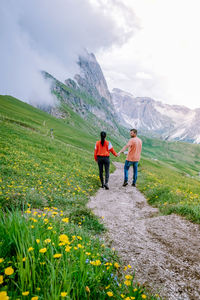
point(67, 249)
point(57, 255)
point(66, 220)
point(35, 298)
point(116, 265)
point(64, 238)
point(129, 277)
point(1, 279)
point(1, 260)
point(63, 294)
point(30, 249)
point(4, 296)
point(43, 250)
point(144, 296)
point(25, 293)
point(47, 241)
point(127, 282)
point(9, 271)
point(110, 294)
point(37, 241)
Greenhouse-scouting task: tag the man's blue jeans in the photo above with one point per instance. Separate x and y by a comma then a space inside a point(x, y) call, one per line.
point(126, 168)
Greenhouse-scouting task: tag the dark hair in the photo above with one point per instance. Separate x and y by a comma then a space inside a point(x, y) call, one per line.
point(103, 136)
point(134, 130)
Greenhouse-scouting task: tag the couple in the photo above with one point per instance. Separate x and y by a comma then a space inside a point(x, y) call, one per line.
point(102, 151)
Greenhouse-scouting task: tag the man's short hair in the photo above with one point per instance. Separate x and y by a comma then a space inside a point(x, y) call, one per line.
point(134, 130)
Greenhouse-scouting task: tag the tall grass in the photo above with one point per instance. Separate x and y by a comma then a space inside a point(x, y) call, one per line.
point(169, 190)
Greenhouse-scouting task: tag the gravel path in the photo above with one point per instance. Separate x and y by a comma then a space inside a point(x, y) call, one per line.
point(164, 250)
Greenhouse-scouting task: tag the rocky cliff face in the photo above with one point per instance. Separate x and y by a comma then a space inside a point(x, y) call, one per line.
point(87, 92)
point(172, 122)
point(91, 78)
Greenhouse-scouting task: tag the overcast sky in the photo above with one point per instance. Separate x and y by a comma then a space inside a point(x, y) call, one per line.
point(146, 47)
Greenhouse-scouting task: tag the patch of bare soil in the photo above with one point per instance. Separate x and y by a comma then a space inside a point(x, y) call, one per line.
point(164, 250)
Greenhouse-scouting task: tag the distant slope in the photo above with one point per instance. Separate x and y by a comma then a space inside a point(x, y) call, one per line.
point(171, 122)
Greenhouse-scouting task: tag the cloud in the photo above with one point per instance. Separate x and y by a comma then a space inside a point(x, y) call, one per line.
point(49, 35)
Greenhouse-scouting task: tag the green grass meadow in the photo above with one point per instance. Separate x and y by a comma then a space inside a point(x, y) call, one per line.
point(51, 245)
point(50, 242)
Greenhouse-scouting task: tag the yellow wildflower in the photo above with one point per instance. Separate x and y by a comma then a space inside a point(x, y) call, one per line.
point(66, 220)
point(30, 249)
point(9, 271)
point(116, 265)
point(110, 294)
point(4, 296)
point(25, 293)
point(43, 250)
point(63, 294)
point(64, 238)
point(35, 298)
point(67, 249)
point(144, 296)
point(123, 296)
point(47, 241)
point(50, 227)
point(37, 241)
point(127, 282)
point(1, 279)
point(1, 260)
point(129, 277)
point(57, 255)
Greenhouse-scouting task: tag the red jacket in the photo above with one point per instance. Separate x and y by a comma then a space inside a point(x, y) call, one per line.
point(104, 150)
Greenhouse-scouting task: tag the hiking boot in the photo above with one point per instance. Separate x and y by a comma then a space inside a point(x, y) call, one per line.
point(133, 184)
point(125, 183)
point(106, 186)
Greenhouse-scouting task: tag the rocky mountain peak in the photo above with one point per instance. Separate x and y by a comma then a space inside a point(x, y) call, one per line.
point(91, 79)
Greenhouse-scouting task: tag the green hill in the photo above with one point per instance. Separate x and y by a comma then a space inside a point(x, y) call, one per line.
point(47, 235)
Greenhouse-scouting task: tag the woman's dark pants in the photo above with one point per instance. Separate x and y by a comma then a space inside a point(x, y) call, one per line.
point(103, 161)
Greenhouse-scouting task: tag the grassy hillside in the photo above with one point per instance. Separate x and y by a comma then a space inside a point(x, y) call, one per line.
point(180, 156)
point(49, 244)
point(49, 248)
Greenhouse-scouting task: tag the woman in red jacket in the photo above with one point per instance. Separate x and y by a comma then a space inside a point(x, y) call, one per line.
point(101, 155)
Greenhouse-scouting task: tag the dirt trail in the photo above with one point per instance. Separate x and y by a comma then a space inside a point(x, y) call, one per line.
point(164, 250)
